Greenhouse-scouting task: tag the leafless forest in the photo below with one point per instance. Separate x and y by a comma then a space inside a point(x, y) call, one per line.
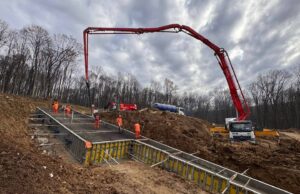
point(38, 64)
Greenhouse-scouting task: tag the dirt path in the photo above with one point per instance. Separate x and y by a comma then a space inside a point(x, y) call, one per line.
point(139, 178)
point(292, 135)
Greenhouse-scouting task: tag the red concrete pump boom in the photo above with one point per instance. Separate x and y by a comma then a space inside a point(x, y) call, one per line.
point(221, 55)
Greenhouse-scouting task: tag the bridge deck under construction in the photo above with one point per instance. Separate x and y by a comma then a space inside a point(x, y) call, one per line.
point(93, 146)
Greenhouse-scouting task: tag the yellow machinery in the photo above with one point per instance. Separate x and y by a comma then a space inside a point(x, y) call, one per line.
point(263, 133)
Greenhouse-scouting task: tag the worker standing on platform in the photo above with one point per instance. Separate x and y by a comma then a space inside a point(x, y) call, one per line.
point(97, 118)
point(68, 110)
point(55, 106)
point(137, 129)
point(120, 123)
point(93, 109)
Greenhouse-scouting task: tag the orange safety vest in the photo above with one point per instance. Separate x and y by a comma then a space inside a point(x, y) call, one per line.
point(55, 105)
point(97, 121)
point(120, 121)
point(137, 127)
point(68, 108)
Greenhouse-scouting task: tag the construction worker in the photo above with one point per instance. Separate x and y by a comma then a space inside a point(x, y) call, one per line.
point(97, 120)
point(137, 129)
point(68, 110)
point(93, 109)
point(120, 123)
point(55, 106)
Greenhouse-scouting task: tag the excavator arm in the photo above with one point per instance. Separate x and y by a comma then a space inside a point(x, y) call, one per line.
point(239, 101)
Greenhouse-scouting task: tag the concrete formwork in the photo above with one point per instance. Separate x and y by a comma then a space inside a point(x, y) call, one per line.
point(109, 146)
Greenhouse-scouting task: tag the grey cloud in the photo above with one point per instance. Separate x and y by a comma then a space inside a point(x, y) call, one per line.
point(266, 31)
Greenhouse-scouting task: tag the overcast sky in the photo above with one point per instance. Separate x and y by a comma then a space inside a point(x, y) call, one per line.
point(259, 35)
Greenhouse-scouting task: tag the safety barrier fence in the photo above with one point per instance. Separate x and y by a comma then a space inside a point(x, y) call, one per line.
point(209, 176)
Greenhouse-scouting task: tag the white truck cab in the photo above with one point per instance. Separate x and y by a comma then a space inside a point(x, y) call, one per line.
point(181, 111)
point(240, 130)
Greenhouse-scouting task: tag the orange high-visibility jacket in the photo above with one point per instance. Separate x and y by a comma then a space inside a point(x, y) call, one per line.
point(68, 110)
point(55, 105)
point(137, 127)
point(120, 121)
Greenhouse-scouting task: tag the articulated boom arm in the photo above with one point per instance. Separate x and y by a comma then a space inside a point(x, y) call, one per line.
point(220, 54)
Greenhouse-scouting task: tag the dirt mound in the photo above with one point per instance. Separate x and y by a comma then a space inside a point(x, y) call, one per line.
point(166, 127)
point(277, 164)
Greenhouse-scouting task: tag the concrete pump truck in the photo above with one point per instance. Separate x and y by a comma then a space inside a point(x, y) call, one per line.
point(239, 128)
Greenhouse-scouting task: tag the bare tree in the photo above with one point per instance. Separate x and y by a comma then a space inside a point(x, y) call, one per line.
point(38, 39)
point(3, 32)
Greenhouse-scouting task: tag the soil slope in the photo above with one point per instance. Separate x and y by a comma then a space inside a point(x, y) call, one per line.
point(277, 164)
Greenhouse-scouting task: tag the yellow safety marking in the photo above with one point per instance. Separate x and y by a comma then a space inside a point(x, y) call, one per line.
point(224, 185)
point(119, 150)
point(87, 157)
point(175, 165)
point(215, 184)
point(158, 156)
point(114, 150)
point(184, 170)
point(232, 190)
point(196, 175)
point(202, 174)
point(122, 150)
point(126, 149)
point(190, 173)
point(117, 145)
point(123, 153)
point(97, 153)
point(144, 153)
point(101, 152)
point(171, 164)
point(111, 150)
point(93, 153)
point(150, 155)
point(107, 147)
point(161, 156)
point(208, 181)
point(140, 156)
point(179, 167)
point(154, 156)
point(136, 151)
